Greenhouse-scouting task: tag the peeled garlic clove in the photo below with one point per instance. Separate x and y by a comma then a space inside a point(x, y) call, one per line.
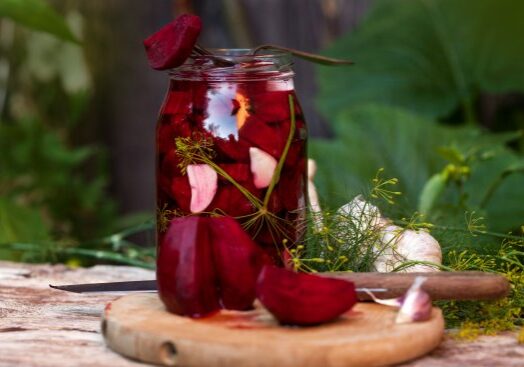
point(314, 203)
point(416, 305)
point(263, 167)
point(311, 169)
point(203, 181)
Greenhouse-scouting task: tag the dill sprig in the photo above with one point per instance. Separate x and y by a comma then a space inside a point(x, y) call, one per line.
point(198, 149)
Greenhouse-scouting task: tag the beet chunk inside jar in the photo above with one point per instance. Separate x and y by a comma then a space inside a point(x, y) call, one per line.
point(231, 140)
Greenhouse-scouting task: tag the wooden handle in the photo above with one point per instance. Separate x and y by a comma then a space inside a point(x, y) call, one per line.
point(466, 285)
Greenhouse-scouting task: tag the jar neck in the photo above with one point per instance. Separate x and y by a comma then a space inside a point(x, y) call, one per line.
point(246, 67)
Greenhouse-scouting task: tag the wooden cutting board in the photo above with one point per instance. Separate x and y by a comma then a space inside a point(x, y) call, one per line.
point(138, 327)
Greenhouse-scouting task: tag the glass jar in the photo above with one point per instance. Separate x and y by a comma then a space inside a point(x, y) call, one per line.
point(231, 140)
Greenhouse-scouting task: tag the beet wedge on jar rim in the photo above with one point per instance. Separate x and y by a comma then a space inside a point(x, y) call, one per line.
point(303, 299)
point(172, 44)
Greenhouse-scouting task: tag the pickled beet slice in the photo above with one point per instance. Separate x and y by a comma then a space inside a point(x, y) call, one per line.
point(270, 139)
point(238, 262)
point(233, 202)
point(232, 149)
point(172, 44)
point(180, 191)
point(303, 299)
point(185, 271)
point(238, 171)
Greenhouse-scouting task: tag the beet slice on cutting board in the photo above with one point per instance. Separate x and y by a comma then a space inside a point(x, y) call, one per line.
point(205, 264)
point(238, 261)
point(303, 299)
point(186, 274)
point(173, 43)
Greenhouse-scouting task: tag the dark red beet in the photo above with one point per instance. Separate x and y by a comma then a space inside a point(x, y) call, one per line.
point(240, 172)
point(269, 138)
point(169, 166)
point(232, 149)
point(173, 43)
point(232, 202)
point(303, 299)
point(185, 271)
point(238, 262)
point(180, 191)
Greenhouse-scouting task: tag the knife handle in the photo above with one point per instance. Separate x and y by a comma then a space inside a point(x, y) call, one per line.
point(460, 285)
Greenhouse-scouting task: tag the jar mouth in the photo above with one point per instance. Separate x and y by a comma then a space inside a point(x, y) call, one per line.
point(265, 64)
point(247, 53)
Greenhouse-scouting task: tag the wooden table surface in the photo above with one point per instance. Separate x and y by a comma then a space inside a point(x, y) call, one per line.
point(40, 326)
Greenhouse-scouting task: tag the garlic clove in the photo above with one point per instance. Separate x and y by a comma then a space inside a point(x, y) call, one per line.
point(263, 167)
point(203, 181)
point(314, 203)
point(416, 305)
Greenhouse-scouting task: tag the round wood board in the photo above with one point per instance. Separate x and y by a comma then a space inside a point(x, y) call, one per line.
point(138, 326)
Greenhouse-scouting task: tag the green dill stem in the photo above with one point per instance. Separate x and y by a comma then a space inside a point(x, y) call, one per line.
point(408, 264)
point(97, 254)
point(117, 238)
point(276, 174)
point(105, 255)
point(486, 233)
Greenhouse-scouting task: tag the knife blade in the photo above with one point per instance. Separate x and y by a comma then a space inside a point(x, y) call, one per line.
point(137, 286)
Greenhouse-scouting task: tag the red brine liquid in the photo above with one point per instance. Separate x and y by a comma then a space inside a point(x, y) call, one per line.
point(237, 121)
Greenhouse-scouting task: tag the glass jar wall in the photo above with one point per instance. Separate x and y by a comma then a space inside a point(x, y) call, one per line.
point(231, 140)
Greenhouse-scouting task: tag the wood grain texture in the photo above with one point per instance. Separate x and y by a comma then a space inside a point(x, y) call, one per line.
point(43, 327)
point(467, 285)
point(138, 326)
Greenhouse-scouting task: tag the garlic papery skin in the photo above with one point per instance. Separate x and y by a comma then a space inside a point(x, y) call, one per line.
point(400, 245)
point(363, 216)
point(416, 305)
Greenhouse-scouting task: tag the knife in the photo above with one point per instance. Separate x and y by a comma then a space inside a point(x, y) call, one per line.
point(460, 285)
point(137, 286)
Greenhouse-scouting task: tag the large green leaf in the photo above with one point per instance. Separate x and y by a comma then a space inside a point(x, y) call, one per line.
point(37, 15)
point(428, 56)
point(409, 148)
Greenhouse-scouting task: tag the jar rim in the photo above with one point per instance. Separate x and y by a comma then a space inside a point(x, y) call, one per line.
point(247, 53)
point(266, 63)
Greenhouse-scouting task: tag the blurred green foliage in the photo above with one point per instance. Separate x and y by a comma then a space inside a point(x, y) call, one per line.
point(429, 56)
point(410, 105)
point(52, 184)
point(37, 15)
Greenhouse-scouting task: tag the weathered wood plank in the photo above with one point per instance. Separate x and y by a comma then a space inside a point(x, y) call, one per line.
point(40, 326)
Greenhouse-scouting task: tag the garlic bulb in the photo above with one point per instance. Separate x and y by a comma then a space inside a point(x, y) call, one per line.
point(395, 245)
point(362, 215)
point(400, 245)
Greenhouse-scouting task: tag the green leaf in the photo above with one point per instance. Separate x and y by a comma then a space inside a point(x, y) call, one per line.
point(431, 192)
point(428, 56)
point(371, 137)
point(409, 148)
point(20, 224)
point(37, 15)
